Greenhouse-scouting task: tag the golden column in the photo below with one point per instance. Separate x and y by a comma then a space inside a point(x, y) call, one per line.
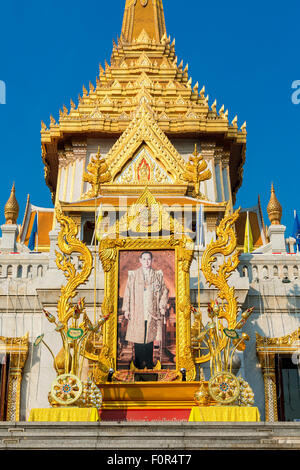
point(267, 362)
point(17, 349)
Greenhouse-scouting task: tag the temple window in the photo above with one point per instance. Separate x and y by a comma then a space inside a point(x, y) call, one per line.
point(295, 272)
point(88, 232)
point(29, 271)
point(245, 271)
point(19, 271)
point(9, 271)
point(265, 272)
point(275, 271)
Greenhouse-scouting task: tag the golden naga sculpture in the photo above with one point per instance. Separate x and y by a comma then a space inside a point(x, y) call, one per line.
point(73, 325)
point(11, 208)
point(97, 174)
point(274, 208)
point(224, 245)
point(196, 171)
point(220, 341)
point(68, 244)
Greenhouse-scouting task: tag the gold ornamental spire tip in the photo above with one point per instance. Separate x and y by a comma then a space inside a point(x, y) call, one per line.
point(274, 208)
point(11, 208)
point(143, 19)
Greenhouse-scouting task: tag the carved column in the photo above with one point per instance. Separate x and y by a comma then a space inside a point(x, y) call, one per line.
point(17, 348)
point(208, 153)
point(80, 154)
point(225, 165)
point(267, 362)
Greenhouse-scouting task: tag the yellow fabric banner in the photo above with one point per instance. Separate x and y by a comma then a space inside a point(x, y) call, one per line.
point(64, 414)
point(224, 413)
point(248, 241)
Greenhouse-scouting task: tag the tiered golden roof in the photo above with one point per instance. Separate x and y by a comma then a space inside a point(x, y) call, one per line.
point(144, 69)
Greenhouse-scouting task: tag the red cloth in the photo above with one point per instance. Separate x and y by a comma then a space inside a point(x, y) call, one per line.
point(145, 415)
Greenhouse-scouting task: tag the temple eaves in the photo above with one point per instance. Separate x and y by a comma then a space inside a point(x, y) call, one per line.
point(143, 16)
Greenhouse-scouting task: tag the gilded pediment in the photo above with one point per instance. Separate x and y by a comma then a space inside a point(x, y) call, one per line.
point(146, 216)
point(143, 170)
point(144, 133)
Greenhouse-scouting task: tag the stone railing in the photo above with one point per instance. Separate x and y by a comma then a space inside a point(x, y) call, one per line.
point(263, 267)
point(20, 266)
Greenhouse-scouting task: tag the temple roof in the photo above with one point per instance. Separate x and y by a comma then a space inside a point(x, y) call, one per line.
point(44, 224)
point(257, 224)
point(143, 69)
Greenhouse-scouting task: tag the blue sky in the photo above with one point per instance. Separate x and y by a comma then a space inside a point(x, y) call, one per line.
point(245, 53)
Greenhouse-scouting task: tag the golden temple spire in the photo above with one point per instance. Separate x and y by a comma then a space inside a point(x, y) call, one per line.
point(274, 208)
point(11, 208)
point(143, 18)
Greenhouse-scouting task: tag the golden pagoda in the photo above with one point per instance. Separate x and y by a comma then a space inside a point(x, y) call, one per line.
point(145, 116)
point(129, 167)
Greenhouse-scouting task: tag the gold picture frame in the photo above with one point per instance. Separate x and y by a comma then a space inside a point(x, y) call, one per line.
point(147, 236)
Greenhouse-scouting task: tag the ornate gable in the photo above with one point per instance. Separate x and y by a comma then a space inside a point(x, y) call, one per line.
point(142, 132)
point(146, 216)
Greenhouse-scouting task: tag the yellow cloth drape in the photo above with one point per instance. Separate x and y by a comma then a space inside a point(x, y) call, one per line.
point(224, 413)
point(64, 414)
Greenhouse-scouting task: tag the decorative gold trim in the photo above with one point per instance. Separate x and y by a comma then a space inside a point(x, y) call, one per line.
point(277, 344)
point(183, 246)
point(196, 171)
point(225, 245)
point(144, 129)
point(97, 174)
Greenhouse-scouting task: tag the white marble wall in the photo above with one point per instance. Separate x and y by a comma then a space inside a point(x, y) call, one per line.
point(258, 282)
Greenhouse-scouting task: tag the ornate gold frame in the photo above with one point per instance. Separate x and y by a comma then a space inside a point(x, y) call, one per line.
point(177, 240)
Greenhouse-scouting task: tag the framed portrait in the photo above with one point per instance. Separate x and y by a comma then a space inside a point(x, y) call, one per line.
point(147, 292)
point(146, 309)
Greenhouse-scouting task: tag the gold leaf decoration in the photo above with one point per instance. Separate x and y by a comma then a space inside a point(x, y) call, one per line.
point(68, 244)
point(97, 174)
point(196, 171)
point(225, 245)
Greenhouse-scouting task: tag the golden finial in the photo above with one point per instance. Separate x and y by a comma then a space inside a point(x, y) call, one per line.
point(274, 208)
point(196, 171)
point(97, 173)
point(11, 208)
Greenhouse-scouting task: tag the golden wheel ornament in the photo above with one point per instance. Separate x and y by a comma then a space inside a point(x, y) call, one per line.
point(224, 387)
point(66, 389)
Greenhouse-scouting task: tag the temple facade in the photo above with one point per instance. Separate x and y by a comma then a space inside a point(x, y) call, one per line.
point(145, 137)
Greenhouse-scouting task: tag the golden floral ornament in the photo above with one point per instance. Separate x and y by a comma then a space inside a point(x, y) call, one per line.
point(97, 173)
point(224, 387)
point(66, 389)
point(197, 171)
